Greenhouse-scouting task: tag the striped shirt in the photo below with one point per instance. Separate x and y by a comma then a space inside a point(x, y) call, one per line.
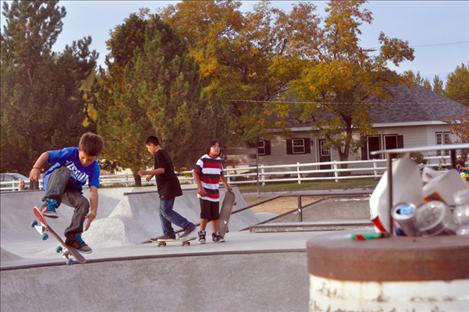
point(209, 171)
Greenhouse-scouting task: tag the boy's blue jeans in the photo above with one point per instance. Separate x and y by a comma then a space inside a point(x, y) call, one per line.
point(57, 189)
point(168, 216)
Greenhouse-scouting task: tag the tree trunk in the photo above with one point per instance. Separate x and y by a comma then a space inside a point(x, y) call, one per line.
point(137, 178)
point(344, 155)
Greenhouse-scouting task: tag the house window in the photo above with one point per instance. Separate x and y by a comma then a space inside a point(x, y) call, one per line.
point(263, 147)
point(442, 138)
point(323, 150)
point(373, 144)
point(393, 141)
point(390, 141)
point(298, 146)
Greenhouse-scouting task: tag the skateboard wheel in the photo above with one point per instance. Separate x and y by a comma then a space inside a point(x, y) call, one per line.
point(44, 236)
point(69, 261)
point(58, 249)
point(35, 222)
point(186, 244)
point(161, 244)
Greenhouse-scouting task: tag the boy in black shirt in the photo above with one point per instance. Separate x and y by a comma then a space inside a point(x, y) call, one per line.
point(168, 189)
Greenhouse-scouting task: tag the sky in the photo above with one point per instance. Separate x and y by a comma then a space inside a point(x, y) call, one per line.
point(438, 30)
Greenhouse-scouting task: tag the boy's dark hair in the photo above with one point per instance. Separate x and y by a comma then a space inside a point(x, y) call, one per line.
point(91, 144)
point(152, 140)
point(212, 143)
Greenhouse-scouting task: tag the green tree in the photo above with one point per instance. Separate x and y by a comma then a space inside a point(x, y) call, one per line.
point(42, 104)
point(438, 85)
point(412, 78)
point(334, 88)
point(245, 59)
point(457, 85)
point(427, 84)
point(151, 87)
point(457, 88)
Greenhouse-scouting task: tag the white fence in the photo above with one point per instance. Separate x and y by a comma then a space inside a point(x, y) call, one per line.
point(298, 172)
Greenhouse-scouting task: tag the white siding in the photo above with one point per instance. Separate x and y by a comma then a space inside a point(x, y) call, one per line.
point(278, 145)
point(413, 136)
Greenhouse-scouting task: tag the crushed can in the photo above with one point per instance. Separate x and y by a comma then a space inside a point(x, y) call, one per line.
point(403, 216)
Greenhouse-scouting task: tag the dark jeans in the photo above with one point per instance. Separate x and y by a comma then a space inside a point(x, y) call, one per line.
point(57, 189)
point(168, 216)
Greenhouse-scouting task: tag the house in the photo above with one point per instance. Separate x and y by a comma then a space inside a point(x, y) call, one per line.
point(415, 116)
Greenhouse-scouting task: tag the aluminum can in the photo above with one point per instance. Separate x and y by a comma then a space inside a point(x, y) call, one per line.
point(403, 216)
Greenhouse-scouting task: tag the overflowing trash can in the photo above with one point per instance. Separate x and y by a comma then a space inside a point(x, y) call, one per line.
point(418, 257)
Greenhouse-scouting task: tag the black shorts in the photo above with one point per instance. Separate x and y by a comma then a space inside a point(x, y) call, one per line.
point(209, 210)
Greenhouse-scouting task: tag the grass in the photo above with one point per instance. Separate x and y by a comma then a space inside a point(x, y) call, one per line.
point(309, 185)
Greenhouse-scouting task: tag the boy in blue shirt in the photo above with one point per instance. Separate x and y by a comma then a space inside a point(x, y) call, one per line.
point(71, 168)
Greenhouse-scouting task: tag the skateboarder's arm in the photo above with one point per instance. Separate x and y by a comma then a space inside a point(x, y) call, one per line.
point(225, 182)
point(151, 172)
point(200, 189)
point(94, 199)
point(36, 170)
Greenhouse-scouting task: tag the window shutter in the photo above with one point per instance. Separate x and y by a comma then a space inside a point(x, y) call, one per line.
point(363, 141)
point(400, 141)
point(289, 146)
point(267, 147)
point(307, 146)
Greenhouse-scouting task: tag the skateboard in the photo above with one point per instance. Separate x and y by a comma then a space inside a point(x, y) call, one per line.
point(225, 212)
point(69, 253)
point(185, 241)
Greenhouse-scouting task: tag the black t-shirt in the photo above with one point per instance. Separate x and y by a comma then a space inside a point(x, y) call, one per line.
point(168, 183)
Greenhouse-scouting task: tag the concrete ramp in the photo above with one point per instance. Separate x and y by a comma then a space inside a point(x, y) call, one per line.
point(136, 218)
point(124, 218)
point(16, 212)
point(8, 256)
point(17, 216)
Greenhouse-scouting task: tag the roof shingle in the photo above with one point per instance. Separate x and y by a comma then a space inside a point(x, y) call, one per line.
point(414, 103)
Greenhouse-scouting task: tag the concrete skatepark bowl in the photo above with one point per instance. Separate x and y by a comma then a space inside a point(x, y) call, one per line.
point(250, 272)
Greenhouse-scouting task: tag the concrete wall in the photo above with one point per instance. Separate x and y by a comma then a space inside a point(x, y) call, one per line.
point(239, 282)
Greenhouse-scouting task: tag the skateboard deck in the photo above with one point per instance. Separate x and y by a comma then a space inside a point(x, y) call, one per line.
point(69, 253)
point(185, 241)
point(225, 212)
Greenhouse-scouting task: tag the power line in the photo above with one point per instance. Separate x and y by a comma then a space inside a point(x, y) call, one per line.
point(439, 44)
point(314, 102)
point(426, 45)
point(296, 102)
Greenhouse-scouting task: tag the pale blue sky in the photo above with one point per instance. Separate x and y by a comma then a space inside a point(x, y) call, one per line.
point(439, 30)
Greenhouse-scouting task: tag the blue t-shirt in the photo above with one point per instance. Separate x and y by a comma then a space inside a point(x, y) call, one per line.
point(68, 157)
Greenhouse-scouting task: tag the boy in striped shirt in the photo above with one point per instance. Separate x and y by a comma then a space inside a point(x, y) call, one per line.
point(208, 172)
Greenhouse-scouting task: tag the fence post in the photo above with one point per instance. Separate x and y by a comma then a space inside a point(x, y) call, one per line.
point(300, 209)
point(336, 173)
point(262, 174)
point(375, 168)
point(298, 172)
point(228, 178)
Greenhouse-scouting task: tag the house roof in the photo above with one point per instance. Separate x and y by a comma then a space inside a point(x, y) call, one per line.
point(414, 103)
point(409, 106)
